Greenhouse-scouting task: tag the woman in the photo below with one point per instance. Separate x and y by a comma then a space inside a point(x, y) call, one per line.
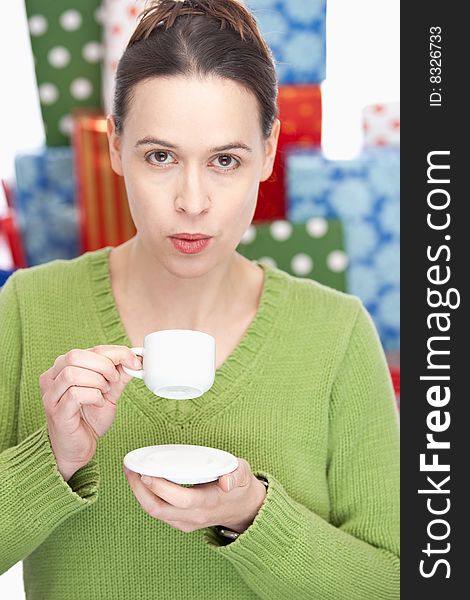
point(302, 394)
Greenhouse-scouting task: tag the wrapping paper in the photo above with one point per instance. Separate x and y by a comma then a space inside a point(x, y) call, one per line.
point(393, 360)
point(67, 49)
point(119, 21)
point(314, 249)
point(365, 194)
point(4, 275)
point(300, 113)
point(381, 124)
point(104, 216)
point(395, 374)
point(295, 30)
point(11, 245)
point(45, 204)
point(6, 258)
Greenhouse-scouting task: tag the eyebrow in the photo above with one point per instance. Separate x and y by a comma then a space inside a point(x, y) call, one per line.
point(147, 141)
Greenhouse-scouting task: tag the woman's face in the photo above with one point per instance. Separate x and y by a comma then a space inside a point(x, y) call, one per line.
point(192, 156)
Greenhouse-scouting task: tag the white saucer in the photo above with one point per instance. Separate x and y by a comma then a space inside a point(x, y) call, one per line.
point(181, 463)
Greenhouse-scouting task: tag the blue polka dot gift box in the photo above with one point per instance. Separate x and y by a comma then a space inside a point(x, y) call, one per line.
point(365, 194)
point(68, 51)
point(295, 30)
point(45, 204)
point(314, 249)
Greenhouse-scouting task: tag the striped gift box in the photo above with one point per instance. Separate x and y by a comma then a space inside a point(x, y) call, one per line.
point(104, 215)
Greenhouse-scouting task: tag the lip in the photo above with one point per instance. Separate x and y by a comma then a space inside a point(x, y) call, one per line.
point(186, 246)
point(191, 236)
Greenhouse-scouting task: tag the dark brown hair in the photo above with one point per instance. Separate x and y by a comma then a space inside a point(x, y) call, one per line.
point(198, 38)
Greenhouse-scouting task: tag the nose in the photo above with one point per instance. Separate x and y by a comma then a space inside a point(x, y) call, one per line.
point(192, 196)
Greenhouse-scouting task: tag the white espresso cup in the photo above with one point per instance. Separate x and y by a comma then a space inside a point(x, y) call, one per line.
point(178, 364)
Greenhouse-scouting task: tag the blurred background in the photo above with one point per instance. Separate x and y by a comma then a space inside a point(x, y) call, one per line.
point(331, 210)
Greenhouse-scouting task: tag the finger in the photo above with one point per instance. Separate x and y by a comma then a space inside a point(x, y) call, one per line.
point(152, 504)
point(74, 376)
point(119, 355)
point(74, 398)
point(86, 359)
point(238, 478)
point(102, 359)
point(45, 381)
point(172, 493)
point(124, 378)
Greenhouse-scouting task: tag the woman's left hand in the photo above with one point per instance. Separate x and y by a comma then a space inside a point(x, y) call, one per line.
point(232, 501)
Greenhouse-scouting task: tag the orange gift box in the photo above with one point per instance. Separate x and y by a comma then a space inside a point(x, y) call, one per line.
point(104, 215)
point(300, 113)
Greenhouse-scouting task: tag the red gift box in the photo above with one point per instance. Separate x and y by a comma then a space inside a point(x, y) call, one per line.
point(300, 113)
point(10, 231)
point(105, 218)
point(395, 374)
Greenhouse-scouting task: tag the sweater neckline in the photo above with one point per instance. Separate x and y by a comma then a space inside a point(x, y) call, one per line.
point(231, 378)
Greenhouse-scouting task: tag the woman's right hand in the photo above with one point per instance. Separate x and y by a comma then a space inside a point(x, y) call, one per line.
point(79, 394)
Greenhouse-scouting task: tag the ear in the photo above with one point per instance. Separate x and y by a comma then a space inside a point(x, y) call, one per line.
point(114, 142)
point(270, 150)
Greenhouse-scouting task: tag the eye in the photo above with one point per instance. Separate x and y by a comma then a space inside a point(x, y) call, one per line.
point(158, 154)
point(225, 162)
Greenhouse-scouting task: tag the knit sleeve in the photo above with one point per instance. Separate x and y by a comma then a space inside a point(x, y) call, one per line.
point(291, 552)
point(34, 497)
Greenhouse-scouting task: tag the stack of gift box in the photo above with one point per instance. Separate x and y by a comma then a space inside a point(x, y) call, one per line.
point(333, 221)
point(364, 194)
point(313, 247)
point(67, 198)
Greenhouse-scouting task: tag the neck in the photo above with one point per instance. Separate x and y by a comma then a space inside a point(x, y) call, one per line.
point(188, 298)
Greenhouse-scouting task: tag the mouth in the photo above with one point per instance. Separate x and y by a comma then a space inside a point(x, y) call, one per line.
point(191, 236)
point(188, 246)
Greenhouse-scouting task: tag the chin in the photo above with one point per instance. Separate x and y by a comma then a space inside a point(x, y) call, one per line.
point(189, 266)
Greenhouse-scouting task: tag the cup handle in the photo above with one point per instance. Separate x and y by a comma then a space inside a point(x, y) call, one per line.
point(139, 374)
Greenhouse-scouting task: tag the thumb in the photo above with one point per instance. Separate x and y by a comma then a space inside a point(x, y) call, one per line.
point(227, 482)
point(238, 478)
point(124, 378)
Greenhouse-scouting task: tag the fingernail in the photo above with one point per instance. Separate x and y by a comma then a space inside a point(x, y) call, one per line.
point(137, 363)
point(145, 479)
point(230, 483)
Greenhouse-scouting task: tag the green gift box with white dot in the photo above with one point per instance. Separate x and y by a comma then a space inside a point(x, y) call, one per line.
point(67, 50)
point(314, 249)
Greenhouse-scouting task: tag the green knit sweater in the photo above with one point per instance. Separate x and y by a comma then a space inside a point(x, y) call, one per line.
point(306, 398)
